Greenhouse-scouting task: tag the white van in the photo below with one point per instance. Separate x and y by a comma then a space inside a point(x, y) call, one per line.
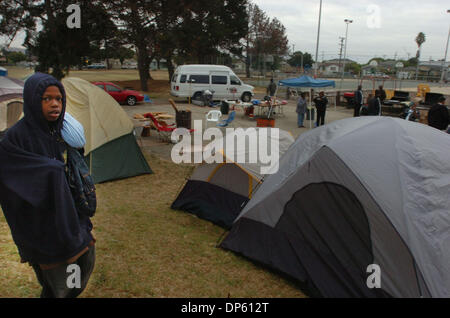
point(191, 80)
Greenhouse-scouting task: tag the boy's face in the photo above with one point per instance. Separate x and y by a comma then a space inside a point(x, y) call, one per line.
point(52, 103)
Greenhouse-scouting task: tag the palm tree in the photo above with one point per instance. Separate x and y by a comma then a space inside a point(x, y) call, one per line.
point(420, 39)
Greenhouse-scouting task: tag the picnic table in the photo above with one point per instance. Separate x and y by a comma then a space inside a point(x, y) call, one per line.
point(260, 108)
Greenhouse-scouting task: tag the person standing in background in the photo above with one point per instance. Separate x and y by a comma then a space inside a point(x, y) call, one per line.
point(301, 109)
point(271, 89)
point(358, 101)
point(381, 93)
point(321, 105)
point(438, 116)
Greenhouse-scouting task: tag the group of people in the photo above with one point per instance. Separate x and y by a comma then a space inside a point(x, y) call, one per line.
point(438, 115)
point(374, 102)
point(320, 102)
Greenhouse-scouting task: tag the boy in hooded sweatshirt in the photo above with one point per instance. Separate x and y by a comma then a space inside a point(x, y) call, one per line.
point(35, 197)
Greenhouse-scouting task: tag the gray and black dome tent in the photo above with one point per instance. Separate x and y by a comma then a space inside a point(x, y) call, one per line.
point(349, 194)
point(217, 191)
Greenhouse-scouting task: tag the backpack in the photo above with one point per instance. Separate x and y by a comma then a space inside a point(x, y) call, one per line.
point(80, 182)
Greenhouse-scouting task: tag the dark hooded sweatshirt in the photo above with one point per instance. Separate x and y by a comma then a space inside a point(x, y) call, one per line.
point(34, 194)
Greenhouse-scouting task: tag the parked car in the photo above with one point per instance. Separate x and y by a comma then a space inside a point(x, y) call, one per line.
point(191, 80)
point(132, 66)
point(96, 66)
point(127, 96)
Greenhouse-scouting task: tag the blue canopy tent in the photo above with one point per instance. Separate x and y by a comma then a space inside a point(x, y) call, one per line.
point(307, 82)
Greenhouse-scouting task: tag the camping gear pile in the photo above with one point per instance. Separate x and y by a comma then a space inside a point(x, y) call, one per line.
point(206, 98)
point(343, 203)
point(395, 106)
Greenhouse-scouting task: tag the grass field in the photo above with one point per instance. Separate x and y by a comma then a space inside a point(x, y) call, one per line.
point(158, 87)
point(145, 249)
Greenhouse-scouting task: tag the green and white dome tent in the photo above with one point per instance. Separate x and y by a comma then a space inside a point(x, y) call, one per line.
point(111, 150)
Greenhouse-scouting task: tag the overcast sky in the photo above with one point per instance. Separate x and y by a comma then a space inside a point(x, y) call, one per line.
point(380, 27)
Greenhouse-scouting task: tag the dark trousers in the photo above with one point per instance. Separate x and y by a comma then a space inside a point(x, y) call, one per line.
point(54, 281)
point(356, 110)
point(320, 117)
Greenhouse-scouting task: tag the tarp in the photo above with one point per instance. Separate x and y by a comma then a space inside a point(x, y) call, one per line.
point(306, 81)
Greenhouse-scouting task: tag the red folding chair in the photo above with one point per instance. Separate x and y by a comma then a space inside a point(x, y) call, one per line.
point(164, 130)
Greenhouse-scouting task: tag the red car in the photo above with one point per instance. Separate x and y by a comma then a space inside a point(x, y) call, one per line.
point(127, 96)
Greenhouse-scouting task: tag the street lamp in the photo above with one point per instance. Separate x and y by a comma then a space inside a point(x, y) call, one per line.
point(445, 56)
point(317, 42)
point(347, 22)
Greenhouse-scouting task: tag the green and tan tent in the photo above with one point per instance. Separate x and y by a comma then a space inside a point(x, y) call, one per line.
point(111, 150)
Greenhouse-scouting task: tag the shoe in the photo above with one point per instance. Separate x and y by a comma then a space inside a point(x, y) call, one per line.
point(301, 126)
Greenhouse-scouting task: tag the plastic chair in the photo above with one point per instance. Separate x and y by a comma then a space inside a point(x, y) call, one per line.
point(227, 121)
point(213, 116)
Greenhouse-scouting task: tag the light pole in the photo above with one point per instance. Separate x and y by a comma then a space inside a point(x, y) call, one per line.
point(347, 22)
point(445, 56)
point(317, 42)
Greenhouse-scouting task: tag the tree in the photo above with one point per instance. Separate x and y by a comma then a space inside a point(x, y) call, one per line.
point(264, 37)
point(15, 16)
point(420, 39)
point(57, 46)
point(299, 59)
point(354, 68)
point(123, 53)
point(150, 26)
point(16, 57)
point(210, 28)
point(411, 62)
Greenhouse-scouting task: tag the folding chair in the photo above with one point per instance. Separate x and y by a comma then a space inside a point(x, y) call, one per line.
point(164, 131)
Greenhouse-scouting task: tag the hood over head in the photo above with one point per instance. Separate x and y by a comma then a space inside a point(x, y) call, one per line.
point(33, 91)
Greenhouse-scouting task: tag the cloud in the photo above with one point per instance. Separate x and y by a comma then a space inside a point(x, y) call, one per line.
point(399, 23)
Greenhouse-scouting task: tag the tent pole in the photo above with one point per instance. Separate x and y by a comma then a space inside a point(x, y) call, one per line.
point(335, 100)
point(90, 163)
point(310, 105)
